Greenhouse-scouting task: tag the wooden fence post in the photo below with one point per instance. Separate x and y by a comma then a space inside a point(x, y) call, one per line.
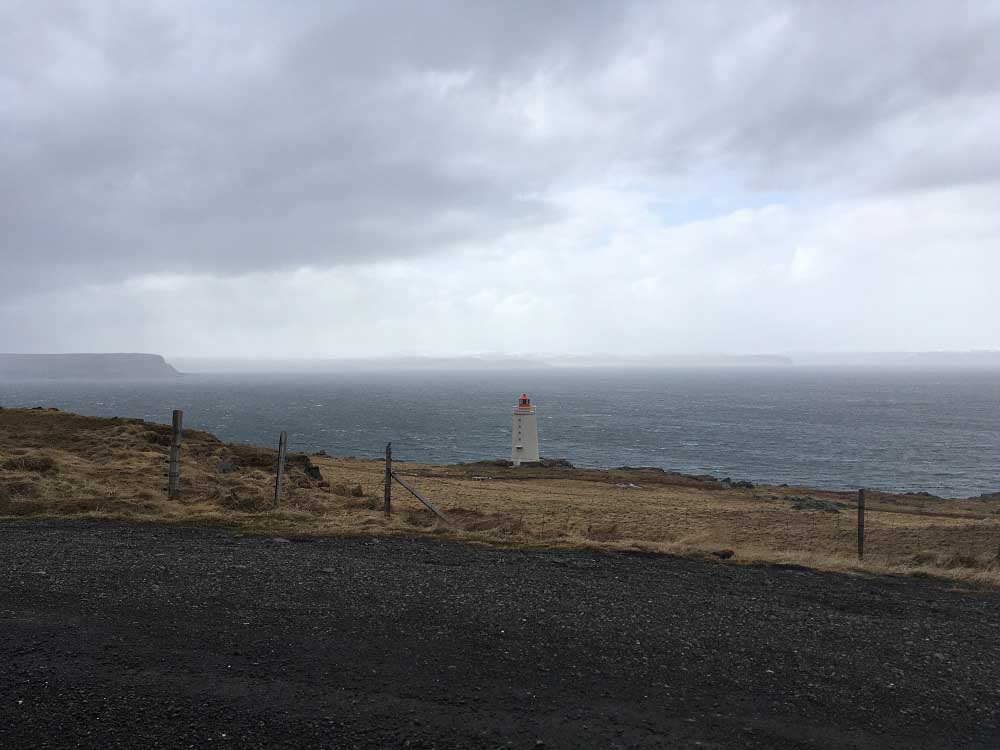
point(174, 472)
point(388, 478)
point(282, 445)
point(861, 524)
point(413, 491)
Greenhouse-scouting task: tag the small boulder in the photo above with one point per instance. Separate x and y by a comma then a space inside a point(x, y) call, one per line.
point(554, 463)
point(812, 503)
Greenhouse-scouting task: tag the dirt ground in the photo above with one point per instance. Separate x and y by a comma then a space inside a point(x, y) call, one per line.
point(55, 465)
point(131, 636)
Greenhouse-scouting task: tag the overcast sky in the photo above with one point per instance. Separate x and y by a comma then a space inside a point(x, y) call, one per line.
point(349, 179)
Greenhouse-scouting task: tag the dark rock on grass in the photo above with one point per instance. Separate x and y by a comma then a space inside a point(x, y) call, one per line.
point(252, 457)
point(346, 490)
point(546, 463)
point(308, 468)
point(299, 462)
point(813, 503)
point(553, 463)
point(724, 554)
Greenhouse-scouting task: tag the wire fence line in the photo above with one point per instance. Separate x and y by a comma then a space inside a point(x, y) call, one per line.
point(379, 484)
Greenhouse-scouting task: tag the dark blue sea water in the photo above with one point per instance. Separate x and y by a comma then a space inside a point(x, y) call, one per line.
point(891, 430)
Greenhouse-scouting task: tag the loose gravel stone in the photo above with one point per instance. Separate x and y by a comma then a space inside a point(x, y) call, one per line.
point(154, 637)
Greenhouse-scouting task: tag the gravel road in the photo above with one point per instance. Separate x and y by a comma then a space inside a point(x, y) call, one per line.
point(149, 637)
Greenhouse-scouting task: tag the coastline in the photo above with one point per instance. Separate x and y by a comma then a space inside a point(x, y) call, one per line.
point(896, 433)
point(56, 465)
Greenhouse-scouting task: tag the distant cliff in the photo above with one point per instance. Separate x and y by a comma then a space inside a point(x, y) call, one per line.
point(85, 367)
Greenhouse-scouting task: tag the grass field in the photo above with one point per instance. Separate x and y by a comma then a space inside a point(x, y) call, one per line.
point(59, 465)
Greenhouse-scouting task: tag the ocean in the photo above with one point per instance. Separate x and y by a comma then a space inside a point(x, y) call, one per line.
point(895, 430)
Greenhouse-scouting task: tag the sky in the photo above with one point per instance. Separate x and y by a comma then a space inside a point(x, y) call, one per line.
point(345, 179)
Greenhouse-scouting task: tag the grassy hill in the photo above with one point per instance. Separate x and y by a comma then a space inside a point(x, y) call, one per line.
point(59, 465)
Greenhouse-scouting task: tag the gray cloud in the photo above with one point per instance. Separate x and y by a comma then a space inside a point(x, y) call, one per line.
point(243, 138)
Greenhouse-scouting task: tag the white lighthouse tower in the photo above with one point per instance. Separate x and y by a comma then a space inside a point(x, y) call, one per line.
point(525, 432)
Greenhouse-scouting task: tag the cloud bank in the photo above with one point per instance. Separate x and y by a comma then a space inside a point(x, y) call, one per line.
point(357, 179)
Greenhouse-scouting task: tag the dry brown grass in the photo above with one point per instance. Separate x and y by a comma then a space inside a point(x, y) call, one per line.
point(56, 465)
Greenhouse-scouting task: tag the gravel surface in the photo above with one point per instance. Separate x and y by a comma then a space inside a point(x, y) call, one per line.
point(132, 636)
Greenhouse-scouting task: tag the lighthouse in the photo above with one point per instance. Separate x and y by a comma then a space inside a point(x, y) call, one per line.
point(524, 432)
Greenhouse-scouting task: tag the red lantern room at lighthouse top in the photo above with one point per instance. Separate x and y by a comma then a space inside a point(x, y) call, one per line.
point(524, 405)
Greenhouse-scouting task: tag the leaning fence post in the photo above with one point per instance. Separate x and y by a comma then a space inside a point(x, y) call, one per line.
point(282, 444)
point(174, 472)
point(388, 477)
point(861, 524)
point(413, 491)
